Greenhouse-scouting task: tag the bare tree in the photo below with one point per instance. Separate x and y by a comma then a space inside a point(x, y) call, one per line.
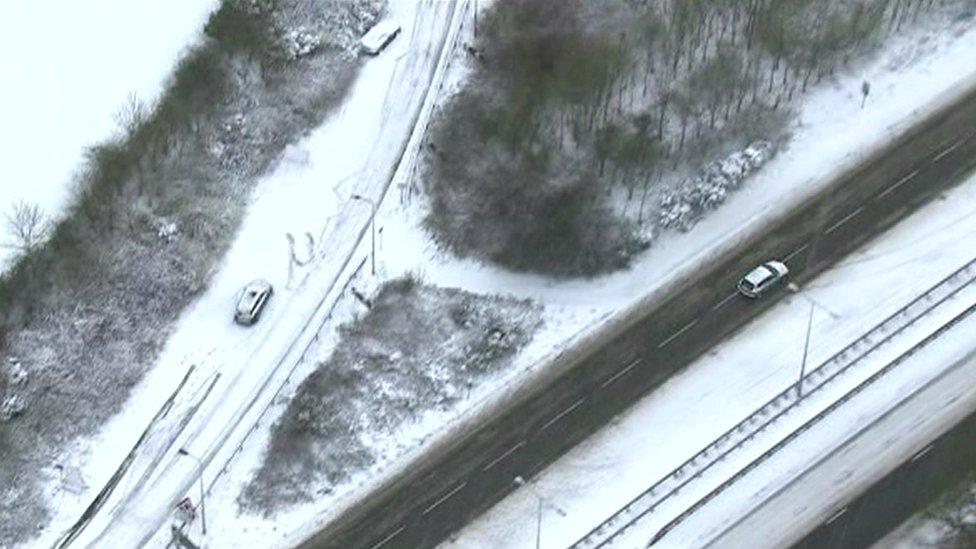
point(131, 114)
point(28, 227)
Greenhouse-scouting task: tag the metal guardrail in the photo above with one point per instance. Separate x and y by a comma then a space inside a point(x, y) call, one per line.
point(72, 532)
point(648, 500)
point(811, 422)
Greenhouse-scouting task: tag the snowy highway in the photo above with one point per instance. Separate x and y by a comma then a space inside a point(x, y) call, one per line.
point(789, 413)
point(323, 193)
point(539, 422)
point(236, 371)
point(599, 476)
point(878, 442)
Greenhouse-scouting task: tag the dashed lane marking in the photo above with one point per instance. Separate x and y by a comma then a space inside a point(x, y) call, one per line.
point(719, 305)
point(922, 453)
point(676, 334)
point(899, 183)
point(948, 150)
point(844, 220)
point(386, 540)
point(836, 515)
point(563, 414)
point(621, 373)
point(503, 456)
point(444, 497)
point(795, 252)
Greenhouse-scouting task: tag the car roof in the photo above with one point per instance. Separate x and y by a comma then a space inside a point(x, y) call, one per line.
point(777, 266)
point(251, 293)
point(759, 274)
point(258, 284)
point(375, 36)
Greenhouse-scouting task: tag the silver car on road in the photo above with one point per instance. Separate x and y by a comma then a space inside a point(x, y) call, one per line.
point(759, 280)
point(252, 301)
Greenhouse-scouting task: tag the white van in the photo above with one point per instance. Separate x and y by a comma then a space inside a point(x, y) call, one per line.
point(379, 36)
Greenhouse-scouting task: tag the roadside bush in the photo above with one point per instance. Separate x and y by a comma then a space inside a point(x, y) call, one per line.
point(576, 111)
point(200, 79)
point(504, 185)
point(242, 25)
point(417, 351)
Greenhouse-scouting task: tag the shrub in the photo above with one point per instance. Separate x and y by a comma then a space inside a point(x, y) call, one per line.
point(240, 26)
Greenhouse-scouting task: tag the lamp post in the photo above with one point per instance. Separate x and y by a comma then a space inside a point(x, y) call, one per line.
point(806, 348)
point(519, 481)
point(372, 231)
point(203, 510)
point(806, 344)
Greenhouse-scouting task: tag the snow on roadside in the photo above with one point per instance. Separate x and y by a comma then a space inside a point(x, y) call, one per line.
point(63, 90)
point(845, 453)
point(574, 306)
point(823, 139)
point(602, 473)
point(830, 132)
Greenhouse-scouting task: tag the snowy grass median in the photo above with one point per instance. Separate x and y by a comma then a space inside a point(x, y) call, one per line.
point(416, 349)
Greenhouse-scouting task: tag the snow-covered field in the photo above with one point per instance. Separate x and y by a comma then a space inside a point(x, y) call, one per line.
point(644, 444)
point(68, 67)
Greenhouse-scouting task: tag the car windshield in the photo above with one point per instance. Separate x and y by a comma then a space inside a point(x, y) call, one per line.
point(759, 275)
point(248, 300)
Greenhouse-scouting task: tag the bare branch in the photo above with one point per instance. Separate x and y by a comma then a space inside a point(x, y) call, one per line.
point(28, 227)
point(131, 114)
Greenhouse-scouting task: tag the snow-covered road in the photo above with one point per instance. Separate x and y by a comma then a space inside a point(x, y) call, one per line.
point(602, 474)
point(814, 489)
point(236, 369)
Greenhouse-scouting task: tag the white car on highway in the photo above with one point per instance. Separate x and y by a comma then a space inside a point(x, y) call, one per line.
point(759, 280)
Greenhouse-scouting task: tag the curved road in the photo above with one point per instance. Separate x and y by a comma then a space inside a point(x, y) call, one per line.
point(237, 371)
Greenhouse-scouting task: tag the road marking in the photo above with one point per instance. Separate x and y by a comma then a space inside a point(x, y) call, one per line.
point(922, 453)
point(948, 150)
point(845, 220)
point(676, 334)
point(444, 497)
point(563, 413)
point(795, 252)
point(503, 456)
point(836, 516)
point(899, 183)
point(724, 301)
point(388, 538)
point(621, 373)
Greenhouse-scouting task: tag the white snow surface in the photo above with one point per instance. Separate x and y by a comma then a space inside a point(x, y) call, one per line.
point(916, 73)
point(309, 191)
point(645, 443)
point(68, 67)
point(350, 153)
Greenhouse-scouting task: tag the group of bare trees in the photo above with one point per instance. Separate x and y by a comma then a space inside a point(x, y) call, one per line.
point(578, 100)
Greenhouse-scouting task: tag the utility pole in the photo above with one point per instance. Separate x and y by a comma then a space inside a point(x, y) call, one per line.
point(519, 481)
point(372, 230)
point(203, 510)
point(806, 348)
